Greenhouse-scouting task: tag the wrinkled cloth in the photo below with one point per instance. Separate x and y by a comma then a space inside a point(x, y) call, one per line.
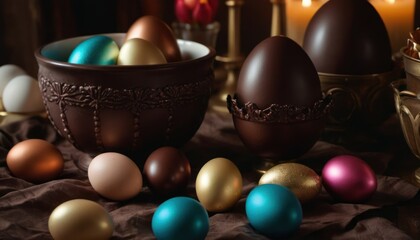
point(393, 212)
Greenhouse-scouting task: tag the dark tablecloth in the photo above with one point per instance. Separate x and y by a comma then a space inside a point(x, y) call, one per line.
point(392, 213)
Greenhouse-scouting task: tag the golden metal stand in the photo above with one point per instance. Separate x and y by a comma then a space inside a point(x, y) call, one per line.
point(406, 103)
point(233, 61)
point(278, 17)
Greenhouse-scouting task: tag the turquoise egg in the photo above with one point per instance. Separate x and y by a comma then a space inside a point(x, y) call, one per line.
point(273, 210)
point(180, 218)
point(97, 50)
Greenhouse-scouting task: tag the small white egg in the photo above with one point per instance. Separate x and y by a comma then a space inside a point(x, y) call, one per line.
point(7, 73)
point(22, 95)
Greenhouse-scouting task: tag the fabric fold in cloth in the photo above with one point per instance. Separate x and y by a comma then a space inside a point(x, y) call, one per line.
point(391, 213)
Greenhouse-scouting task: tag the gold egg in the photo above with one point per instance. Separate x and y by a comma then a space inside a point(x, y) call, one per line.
point(80, 219)
point(137, 51)
point(300, 179)
point(218, 185)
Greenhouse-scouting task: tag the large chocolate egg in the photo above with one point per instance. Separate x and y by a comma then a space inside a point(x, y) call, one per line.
point(278, 111)
point(348, 37)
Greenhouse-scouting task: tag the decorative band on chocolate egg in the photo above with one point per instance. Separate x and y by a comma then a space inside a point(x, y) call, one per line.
point(276, 113)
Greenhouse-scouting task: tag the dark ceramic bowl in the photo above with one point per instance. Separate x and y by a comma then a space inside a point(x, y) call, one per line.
point(127, 109)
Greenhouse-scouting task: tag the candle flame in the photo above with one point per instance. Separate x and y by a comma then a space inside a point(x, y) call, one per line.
point(390, 1)
point(308, 3)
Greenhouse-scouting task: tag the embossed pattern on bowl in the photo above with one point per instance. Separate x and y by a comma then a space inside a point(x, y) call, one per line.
point(125, 108)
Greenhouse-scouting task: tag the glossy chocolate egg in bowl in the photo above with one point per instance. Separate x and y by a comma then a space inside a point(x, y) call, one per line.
point(278, 110)
point(349, 45)
point(153, 29)
point(125, 108)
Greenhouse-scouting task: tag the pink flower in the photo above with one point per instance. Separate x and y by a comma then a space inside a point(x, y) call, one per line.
point(196, 11)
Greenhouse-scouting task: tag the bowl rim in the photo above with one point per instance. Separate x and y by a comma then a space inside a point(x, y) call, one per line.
point(152, 67)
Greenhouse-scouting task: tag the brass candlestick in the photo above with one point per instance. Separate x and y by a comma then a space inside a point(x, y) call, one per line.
point(233, 60)
point(278, 17)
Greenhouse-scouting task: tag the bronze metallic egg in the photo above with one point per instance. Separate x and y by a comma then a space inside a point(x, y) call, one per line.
point(157, 32)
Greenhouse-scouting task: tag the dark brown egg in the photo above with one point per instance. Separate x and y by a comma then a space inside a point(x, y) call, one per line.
point(156, 31)
point(167, 171)
point(279, 110)
point(348, 37)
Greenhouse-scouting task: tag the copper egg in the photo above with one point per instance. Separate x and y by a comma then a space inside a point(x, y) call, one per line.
point(35, 160)
point(156, 31)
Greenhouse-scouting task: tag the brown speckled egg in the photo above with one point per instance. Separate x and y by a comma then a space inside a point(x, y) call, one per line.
point(278, 110)
point(348, 37)
point(157, 32)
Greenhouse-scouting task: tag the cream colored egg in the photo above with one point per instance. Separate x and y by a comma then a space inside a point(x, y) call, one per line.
point(300, 179)
point(7, 73)
point(137, 51)
point(80, 219)
point(218, 185)
point(22, 95)
point(115, 176)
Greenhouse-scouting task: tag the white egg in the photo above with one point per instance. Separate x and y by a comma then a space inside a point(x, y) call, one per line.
point(7, 73)
point(22, 95)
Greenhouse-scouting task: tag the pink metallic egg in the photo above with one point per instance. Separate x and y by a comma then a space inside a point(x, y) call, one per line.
point(349, 179)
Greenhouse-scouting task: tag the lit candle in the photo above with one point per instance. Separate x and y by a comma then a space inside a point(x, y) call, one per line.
point(398, 16)
point(298, 15)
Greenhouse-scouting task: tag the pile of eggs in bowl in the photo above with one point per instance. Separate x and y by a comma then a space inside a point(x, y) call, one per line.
point(149, 40)
point(19, 91)
point(126, 108)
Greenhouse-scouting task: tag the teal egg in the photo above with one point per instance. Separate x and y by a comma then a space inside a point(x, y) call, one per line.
point(97, 50)
point(273, 210)
point(180, 218)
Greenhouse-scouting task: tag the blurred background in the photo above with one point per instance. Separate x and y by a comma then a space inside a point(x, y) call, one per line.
point(26, 25)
